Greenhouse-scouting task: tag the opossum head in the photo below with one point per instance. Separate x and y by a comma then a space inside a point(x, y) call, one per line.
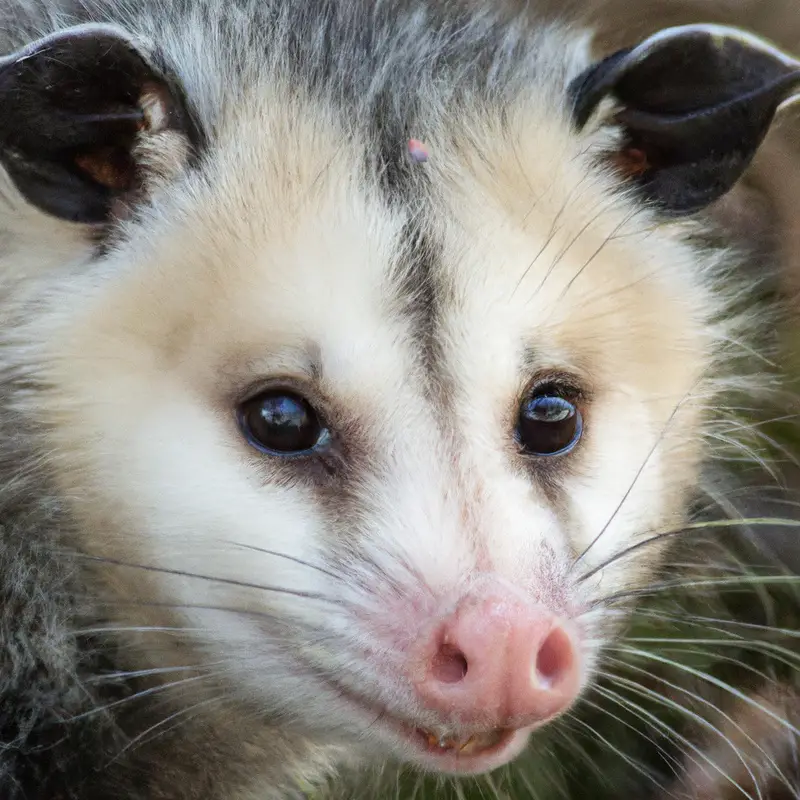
point(369, 431)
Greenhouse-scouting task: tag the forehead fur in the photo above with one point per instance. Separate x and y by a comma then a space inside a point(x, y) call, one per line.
point(508, 229)
point(364, 53)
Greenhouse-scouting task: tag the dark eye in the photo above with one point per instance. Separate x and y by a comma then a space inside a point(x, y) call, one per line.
point(549, 423)
point(282, 423)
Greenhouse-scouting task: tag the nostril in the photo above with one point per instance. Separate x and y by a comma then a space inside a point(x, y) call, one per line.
point(554, 659)
point(449, 665)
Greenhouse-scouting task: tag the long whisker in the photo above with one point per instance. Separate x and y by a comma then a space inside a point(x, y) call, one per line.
point(641, 714)
point(780, 654)
point(572, 743)
point(288, 557)
point(647, 716)
point(135, 629)
point(143, 673)
point(720, 684)
point(697, 698)
point(199, 576)
point(708, 583)
point(553, 232)
point(635, 480)
point(731, 524)
point(704, 622)
point(614, 749)
point(532, 793)
point(179, 715)
point(674, 762)
point(643, 691)
point(606, 241)
point(245, 612)
point(143, 693)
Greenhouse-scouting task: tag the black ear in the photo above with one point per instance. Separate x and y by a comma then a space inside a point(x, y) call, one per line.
point(73, 108)
point(695, 103)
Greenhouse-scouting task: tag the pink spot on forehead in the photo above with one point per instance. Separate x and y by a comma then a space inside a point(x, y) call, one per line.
point(417, 151)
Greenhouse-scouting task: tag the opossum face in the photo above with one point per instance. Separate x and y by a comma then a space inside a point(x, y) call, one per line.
point(379, 452)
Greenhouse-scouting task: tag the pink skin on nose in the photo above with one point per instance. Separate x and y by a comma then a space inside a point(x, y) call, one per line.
point(498, 662)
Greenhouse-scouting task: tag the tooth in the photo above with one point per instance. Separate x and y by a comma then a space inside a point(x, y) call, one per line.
point(468, 746)
point(462, 745)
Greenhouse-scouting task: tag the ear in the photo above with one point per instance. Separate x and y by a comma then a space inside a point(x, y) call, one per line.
point(75, 109)
point(694, 103)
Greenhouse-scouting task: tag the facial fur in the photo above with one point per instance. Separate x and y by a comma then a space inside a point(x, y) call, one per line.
point(414, 305)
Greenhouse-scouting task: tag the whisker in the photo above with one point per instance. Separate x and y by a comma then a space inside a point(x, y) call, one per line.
point(683, 530)
point(532, 793)
point(288, 557)
point(748, 454)
point(143, 693)
point(606, 241)
point(675, 764)
point(140, 738)
point(245, 612)
point(614, 749)
point(720, 684)
point(698, 699)
point(781, 654)
point(703, 621)
point(636, 477)
point(554, 230)
point(143, 673)
point(135, 629)
point(571, 744)
point(719, 659)
point(212, 578)
point(643, 691)
point(646, 715)
point(708, 583)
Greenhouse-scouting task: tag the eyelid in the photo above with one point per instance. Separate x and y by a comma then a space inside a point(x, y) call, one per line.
point(289, 384)
point(558, 384)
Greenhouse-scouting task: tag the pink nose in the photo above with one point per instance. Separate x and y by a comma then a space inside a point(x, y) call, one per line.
point(500, 663)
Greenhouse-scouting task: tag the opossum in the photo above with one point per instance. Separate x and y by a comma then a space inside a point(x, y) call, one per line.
point(358, 361)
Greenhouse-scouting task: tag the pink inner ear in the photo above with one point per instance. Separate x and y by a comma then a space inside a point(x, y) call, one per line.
point(632, 162)
point(112, 167)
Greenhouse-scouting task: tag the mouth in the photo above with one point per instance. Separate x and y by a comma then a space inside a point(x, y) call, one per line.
point(470, 754)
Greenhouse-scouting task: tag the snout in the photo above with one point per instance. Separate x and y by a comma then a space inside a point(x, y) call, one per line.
point(497, 662)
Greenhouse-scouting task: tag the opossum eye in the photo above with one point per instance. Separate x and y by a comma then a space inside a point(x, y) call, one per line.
point(694, 104)
point(549, 423)
point(281, 423)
